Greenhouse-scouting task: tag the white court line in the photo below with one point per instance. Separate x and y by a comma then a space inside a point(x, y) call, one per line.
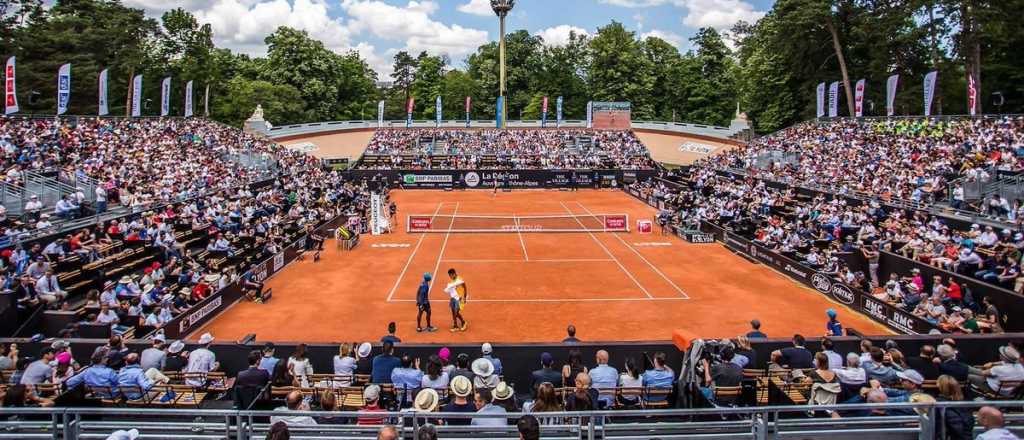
point(409, 261)
point(552, 260)
point(656, 270)
point(550, 300)
point(521, 242)
point(630, 275)
point(443, 245)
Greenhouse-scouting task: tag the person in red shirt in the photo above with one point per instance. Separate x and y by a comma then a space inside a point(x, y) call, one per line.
point(953, 292)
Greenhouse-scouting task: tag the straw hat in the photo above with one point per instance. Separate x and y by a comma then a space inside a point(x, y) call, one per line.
point(364, 350)
point(212, 278)
point(461, 386)
point(206, 338)
point(176, 347)
point(125, 279)
point(503, 391)
point(426, 400)
point(483, 367)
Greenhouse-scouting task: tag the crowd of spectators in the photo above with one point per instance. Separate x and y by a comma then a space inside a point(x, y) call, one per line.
point(135, 162)
point(817, 231)
point(509, 149)
point(898, 159)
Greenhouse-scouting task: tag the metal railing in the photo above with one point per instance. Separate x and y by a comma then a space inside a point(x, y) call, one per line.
point(877, 421)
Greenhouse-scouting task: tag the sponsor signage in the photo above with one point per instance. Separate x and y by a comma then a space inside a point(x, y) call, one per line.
point(472, 179)
point(516, 179)
point(694, 147)
point(278, 261)
point(615, 222)
point(698, 237)
point(419, 223)
point(198, 315)
point(856, 299)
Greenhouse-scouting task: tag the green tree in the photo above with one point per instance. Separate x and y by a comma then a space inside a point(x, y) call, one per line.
point(282, 104)
point(619, 71)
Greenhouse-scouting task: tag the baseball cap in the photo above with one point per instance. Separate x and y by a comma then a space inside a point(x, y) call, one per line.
point(427, 276)
point(911, 375)
point(831, 313)
point(486, 348)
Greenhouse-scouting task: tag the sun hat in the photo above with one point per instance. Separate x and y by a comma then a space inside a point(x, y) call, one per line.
point(911, 375)
point(461, 386)
point(121, 434)
point(486, 348)
point(364, 350)
point(483, 367)
point(503, 392)
point(125, 279)
point(371, 393)
point(1009, 354)
point(59, 344)
point(212, 278)
point(147, 288)
point(444, 353)
point(160, 337)
point(426, 400)
point(206, 338)
point(176, 347)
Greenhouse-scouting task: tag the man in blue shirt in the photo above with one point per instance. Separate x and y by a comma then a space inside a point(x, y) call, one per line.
point(384, 364)
point(407, 378)
point(604, 379)
point(96, 375)
point(131, 375)
point(423, 304)
point(268, 361)
point(661, 376)
point(390, 337)
point(488, 353)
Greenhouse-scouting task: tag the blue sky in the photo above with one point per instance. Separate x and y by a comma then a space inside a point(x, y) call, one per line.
point(378, 29)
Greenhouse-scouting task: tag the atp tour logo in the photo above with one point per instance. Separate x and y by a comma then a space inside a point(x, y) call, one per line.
point(821, 282)
point(472, 179)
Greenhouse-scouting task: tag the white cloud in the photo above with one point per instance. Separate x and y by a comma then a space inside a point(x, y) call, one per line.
point(634, 3)
point(719, 14)
point(412, 25)
point(477, 7)
point(559, 35)
point(672, 38)
point(242, 25)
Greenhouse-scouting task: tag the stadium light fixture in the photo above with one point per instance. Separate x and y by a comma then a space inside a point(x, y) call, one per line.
point(502, 8)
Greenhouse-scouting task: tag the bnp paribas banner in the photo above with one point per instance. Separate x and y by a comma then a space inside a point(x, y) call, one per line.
point(63, 88)
point(188, 99)
point(821, 100)
point(929, 91)
point(165, 97)
point(833, 99)
point(137, 96)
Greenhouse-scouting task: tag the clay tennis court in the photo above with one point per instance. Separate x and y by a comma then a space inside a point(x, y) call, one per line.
point(527, 286)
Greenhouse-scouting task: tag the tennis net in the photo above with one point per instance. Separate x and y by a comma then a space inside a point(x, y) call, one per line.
point(428, 223)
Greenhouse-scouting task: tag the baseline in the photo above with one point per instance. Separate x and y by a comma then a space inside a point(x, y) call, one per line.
point(619, 263)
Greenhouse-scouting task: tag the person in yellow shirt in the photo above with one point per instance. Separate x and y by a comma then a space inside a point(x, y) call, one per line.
point(459, 295)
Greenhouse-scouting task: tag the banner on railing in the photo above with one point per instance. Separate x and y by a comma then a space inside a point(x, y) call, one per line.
point(821, 100)
point(930, 80)
point(10, 90)
point(858, 100)
point(558, 112)
point(188, 99)
point(833, 99)
point(544, 113)
point(63, 88)
point(890, 94)
point(104, 108)
point(137, 96)
point(165, 97)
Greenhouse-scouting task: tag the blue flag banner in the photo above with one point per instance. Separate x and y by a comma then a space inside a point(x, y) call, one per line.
point(63, 88)
point(498, 111)
point(558, 112)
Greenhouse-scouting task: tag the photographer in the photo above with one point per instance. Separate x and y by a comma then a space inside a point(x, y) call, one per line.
point(721, 372)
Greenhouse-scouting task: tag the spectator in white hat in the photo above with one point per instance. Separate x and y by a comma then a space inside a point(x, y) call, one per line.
point(201, 360)
point(483, 374)
point(426, 401)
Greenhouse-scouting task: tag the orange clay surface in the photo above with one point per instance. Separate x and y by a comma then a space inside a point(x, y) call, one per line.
point(526, 287)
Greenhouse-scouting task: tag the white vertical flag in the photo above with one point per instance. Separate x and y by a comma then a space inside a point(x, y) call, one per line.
point(165, 97)
point(972, 95)
point(821, 100)
point(63, 88)
point(137, 96)
point(833, 99)
point(103, 107)
point(859, 99)
point(929, 91)
point(890, 94)
point(590, 114)
point(206, 102)
point(188, 99)
point(380, 113)
point(10, 94)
